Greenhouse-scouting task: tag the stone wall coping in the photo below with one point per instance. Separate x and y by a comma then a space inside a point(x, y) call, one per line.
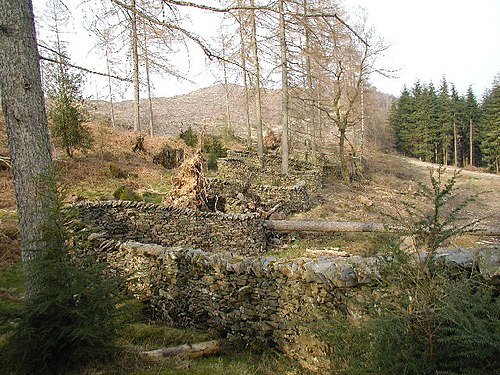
point(158, 207)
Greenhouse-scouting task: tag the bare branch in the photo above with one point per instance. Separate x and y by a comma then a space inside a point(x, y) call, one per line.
point(83, 69)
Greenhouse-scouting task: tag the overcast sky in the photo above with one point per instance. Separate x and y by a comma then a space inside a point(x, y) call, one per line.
point(428, 39)
point(431, 38)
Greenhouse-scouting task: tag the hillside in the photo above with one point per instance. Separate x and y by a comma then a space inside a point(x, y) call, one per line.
point(205, 107)
point(389, 183)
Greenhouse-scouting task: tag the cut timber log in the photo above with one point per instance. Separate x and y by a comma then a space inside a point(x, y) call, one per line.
point(327, 226)
point(288, 226)
point(187, 350)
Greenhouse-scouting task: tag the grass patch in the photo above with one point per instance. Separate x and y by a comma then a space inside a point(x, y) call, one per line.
point(365, 244)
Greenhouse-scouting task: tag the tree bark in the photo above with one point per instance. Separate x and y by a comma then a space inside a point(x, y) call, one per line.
point(110, 86)
point(26, 121)
point(226, 89)
point(455, 143)
point(135, 56)
point(187, 350)
point(258, 99)
point(243, 58)
point(284, 91)
point(148, 82)
point(288, 226)
point(471, 144)
point(309, 79)
point(344, 169)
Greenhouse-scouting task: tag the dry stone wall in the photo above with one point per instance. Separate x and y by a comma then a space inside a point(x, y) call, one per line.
point(169, 226)
point(254, 300)
point(262, 300)
point(291, 199)
point(245, 166)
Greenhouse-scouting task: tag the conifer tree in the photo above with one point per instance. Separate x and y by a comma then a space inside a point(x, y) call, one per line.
point(400, 119)
point(473, 114)
point(458, 115)
point(445, 121)
point(63, 86)
point(490, 128)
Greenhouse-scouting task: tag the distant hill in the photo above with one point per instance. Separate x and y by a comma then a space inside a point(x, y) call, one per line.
point(206, 107)
point(203, 107)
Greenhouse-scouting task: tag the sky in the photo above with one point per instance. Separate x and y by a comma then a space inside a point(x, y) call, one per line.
point(428, 39)
point(431, 38)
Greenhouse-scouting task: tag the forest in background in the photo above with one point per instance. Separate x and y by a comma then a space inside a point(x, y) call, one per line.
point(441, 126)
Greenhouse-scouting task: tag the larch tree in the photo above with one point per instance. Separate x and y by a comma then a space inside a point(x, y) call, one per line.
point(284, 88)
point(242, 20)
point(256, 81)
point(26, 121)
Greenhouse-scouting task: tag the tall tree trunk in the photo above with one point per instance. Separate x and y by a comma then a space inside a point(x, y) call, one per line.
point(135, 56)
point(311, 99)
point(284, 92)
point(111, 104)
point(258, 99)
point(471, 142)
point(148, 83)
point(362, 136)
point(455, 143)
point(320, 121)
point(25, 117)
point(344, 169)
point(243, 57)
point(226, 90)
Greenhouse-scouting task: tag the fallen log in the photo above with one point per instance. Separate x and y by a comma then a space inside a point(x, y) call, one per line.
point(288, 226)
point(199, 349)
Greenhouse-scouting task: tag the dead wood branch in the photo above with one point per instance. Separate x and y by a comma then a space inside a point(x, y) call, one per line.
point(84, 69)
point(199, 349)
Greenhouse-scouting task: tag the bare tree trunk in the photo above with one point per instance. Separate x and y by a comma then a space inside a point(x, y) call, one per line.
point(226, 89)
point(310, 99)
point(320, 121)
point(362, 140)
point(284, 92)
point(243, 58)
point(111, 104)
point(135, 56)
point(148, 83)
point(344, 169)
point(471, 144)
point(25, 117)
point(258, 99)
point(455, 143)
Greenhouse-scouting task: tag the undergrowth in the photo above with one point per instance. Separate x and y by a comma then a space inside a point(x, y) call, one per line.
point(425, 318)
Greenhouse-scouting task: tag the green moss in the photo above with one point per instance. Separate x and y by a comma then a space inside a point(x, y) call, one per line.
point(125, 193)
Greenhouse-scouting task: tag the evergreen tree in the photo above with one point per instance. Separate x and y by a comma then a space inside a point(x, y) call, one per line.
point(489, 132)
point(458, 118)
point(63, 85)
point(445, 122)
point(473, 114)
point(425, 122)
point(400, 120)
